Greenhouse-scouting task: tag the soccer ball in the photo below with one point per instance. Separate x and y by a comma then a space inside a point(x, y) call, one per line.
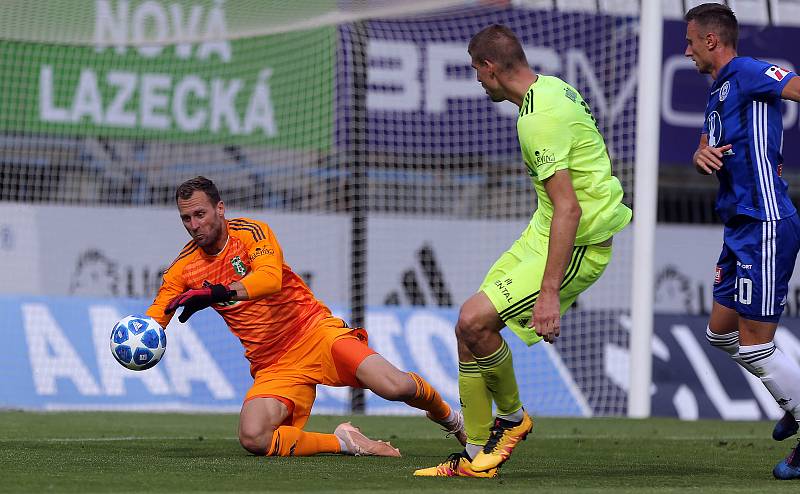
point(138, 342)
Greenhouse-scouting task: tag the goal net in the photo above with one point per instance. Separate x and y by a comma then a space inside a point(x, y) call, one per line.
point(355, 129)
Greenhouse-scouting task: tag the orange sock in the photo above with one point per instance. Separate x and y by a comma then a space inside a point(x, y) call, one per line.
point(291, 441)
point(428, 399)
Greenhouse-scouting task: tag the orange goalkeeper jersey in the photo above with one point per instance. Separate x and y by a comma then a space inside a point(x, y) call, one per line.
point(268, 326)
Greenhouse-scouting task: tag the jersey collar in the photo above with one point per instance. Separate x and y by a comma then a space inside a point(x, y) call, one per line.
point(725, 72)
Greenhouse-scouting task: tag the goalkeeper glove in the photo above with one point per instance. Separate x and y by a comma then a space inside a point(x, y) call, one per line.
point(198, 299)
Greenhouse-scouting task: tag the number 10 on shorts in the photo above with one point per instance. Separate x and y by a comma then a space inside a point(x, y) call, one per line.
point(744, 291)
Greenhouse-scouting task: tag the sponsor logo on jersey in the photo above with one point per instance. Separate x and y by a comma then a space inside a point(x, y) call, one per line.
point(544, 156)
point(724, 90)
point(777, 73)
point(260, 251)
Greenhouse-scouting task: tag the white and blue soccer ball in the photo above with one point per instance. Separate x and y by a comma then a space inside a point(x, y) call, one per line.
point(138, 342)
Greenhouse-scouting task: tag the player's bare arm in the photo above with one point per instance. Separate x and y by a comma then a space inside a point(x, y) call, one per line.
point(791, 90)
point(708, 159)
point(241, 291)
point(566, 216)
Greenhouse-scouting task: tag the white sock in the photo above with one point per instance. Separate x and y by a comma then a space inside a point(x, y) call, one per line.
point(728, 342)
point(472, 450)
point(343, 446)
point(779, 373)
point(513, 417)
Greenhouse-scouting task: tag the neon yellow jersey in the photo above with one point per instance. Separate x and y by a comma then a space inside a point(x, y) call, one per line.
point(558, 132)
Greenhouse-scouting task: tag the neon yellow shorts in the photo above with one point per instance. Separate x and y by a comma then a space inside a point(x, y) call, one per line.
point(513, 282)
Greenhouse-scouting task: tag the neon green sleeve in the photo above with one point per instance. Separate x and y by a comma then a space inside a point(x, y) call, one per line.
point(545, 142)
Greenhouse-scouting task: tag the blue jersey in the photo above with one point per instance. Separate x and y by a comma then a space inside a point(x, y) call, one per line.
point(744, 110)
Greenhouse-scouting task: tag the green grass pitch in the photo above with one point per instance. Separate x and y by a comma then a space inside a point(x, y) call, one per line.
point(142, 452)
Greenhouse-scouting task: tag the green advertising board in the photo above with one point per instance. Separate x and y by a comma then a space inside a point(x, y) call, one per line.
point(182, 78)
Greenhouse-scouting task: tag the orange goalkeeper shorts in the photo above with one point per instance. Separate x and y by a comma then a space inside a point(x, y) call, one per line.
point(329, 355)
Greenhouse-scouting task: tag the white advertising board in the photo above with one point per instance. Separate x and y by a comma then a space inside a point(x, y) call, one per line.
point(119, 252)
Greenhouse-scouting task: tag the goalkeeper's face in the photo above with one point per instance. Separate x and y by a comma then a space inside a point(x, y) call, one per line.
point(204, 221)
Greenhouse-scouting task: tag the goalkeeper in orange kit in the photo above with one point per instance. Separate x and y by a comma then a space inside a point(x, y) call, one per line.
point(291, 340)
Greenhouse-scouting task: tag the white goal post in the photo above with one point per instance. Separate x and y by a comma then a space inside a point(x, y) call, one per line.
point(648, 121)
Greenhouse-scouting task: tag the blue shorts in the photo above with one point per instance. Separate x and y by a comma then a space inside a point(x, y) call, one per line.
point(755, 266)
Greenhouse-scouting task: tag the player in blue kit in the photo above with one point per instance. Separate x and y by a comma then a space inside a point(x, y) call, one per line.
point(741, 144)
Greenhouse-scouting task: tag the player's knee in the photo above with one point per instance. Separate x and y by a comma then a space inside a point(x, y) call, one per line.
point(256, 441)
point(470, 328)
point(253, 444)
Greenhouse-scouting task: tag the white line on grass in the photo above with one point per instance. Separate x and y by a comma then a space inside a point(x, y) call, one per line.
point(119, 438)
point(606, 437)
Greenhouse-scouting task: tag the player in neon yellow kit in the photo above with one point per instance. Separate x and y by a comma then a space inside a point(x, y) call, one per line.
point(564, 249)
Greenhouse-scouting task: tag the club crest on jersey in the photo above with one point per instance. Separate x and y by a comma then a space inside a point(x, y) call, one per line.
point(239, 266)
point(777, 73)
point(724, 90)
point(714, 129)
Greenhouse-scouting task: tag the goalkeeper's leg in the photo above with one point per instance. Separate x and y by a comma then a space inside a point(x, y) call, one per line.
point(264, 429)
point(384, 379)
point(267, 426)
